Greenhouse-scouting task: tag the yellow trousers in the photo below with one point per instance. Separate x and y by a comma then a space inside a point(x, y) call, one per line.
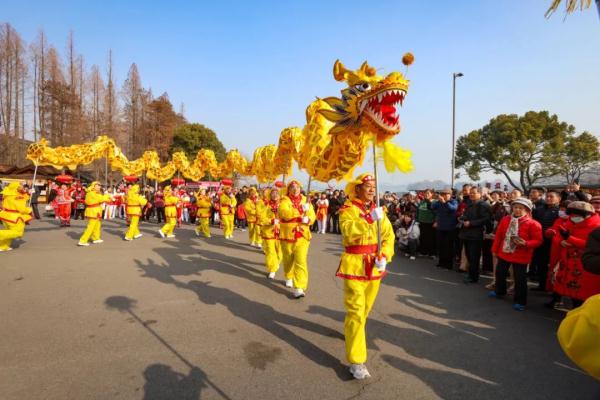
point(91, 231)
point(203, 226)
point(227, 221)
point(273, 256)
point(169, 227)
point(11, 231)
point(359, 297)
point(295, 262)
point(254, 233)
point(133, 227)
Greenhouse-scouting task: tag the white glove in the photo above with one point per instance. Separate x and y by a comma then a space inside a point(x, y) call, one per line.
point(305, 207)
point(377, 214)
point(305, 220)
point(380, 263)
point(275, 221)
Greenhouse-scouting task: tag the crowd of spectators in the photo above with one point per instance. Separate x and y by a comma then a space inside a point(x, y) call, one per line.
point(540, 239)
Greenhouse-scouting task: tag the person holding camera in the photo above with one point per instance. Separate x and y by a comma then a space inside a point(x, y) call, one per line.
point(572, 280)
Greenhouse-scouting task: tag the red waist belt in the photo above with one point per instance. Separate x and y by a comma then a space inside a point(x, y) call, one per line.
point(11, 211)
point(92, 205)
point(368, 251)
point(289, 221)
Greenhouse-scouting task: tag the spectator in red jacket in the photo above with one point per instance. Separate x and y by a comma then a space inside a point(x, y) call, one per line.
point(572, 280)
point(518, 235)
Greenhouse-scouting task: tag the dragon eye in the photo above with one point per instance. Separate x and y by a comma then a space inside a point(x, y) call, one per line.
point(363, 87)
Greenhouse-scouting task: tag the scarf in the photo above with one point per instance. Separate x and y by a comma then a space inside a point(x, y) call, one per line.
point(513, 230)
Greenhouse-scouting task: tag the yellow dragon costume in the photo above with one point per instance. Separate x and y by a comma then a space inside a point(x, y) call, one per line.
point(14, 214)
point(204, 204)
point(333, 141)
point(135, 205)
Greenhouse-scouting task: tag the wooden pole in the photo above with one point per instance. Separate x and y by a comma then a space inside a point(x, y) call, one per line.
point(376, 194)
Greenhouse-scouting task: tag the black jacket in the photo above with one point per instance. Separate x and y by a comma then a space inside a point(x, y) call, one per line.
point(479, 215)
point(546, 215)
point(591, 254)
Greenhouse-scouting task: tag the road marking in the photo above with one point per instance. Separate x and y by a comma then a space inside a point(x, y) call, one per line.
point(441, 281)
point(571, 368)
point(472, 334)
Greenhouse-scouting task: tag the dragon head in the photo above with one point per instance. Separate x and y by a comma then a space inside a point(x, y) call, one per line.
point(370, 102)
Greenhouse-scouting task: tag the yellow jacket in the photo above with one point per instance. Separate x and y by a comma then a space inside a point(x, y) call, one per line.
point(251, 208)
point(171, 205)
point(291, 215)
point(14, 208)
point(204, 204)
point(93, 204)
point(135, 202)
point(266, 215)
point(359, 237)
point(228, 204)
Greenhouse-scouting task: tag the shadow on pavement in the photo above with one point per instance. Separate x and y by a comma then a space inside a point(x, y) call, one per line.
point(184, 262)
point(163, 383)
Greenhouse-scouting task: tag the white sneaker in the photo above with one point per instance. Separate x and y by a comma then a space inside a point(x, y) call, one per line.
point(139, 235)
point(289, 283)
point(271, 275)
point(98, 241)
point(10, 248)
point(258, 246)
point(298, 293)
point(83, 244)
point(253, 244)
point(412, 258)
point(197, 233)
point(128, 239)
point(170, 236)
point(161, 233)
point(359, 371)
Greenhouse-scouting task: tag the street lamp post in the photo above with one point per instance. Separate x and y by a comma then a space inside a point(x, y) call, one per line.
point(454, 76)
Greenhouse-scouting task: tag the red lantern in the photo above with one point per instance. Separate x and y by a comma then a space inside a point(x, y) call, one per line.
point(226, 182)
point(177, 181)
point(279, 184)
point(64, 179)
point(131, 178)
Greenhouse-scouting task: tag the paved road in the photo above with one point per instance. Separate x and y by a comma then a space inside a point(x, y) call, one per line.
point(190, 318)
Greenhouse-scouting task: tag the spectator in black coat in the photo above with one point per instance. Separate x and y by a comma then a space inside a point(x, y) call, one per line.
point(591, 254)
point(476, 217)
point(545, 215)
point(334, 206)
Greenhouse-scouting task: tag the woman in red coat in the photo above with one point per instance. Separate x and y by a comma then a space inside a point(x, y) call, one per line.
point(516, 238)
point(556, 249)
point(572, 280)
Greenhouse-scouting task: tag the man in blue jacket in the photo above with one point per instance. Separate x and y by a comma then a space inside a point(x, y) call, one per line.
point(445, 226)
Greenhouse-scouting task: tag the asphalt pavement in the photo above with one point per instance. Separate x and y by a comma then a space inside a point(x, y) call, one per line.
point(196, 318)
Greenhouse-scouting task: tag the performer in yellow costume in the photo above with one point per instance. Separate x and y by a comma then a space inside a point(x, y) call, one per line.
point(14, 215)
point(93, 213)
point(228, 204)
point(135, 203)
point(203, 214)
point(361, 266)
point(296, 216)
point(268, 218)
point(251, 206)
point(170, 213)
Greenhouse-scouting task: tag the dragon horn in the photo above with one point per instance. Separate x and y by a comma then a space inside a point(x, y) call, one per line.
point(339, 71)
point(367, 69)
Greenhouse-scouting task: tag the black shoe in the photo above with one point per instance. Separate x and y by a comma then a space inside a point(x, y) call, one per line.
point(538, 289)
point(468, 279)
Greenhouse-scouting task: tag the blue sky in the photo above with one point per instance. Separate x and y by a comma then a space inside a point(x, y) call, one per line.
point(249, 69)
